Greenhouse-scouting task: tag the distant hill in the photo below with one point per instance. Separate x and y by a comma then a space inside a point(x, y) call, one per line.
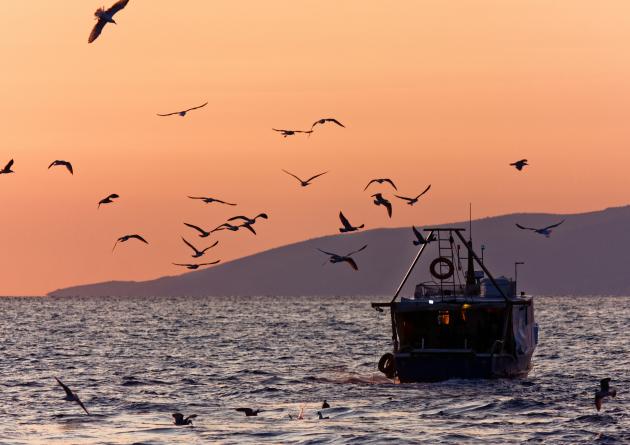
point(588, 255)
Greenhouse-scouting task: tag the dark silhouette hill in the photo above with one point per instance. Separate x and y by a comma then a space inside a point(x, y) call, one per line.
point(588, 255)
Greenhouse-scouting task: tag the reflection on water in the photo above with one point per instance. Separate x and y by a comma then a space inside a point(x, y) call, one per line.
point(136, 361)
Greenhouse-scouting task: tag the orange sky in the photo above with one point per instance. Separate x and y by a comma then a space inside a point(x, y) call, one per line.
point(440, 92)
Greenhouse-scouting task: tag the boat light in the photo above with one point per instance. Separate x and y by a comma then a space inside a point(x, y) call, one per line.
point(430, 301)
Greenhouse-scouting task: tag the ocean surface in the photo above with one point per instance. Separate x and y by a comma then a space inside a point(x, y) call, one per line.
point(134, 361)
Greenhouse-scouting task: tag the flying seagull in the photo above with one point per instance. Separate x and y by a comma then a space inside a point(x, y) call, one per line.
point(604, 391)
point(248, 411)
point(227, 226)
point(126, 238)
point(544, 231)
point(302, 182)
point(196, 266)
point(183, 112)
point(519, 164)
point(198, 253)
point(380, 181)
point(347, 227)
point(336, 258)
point(181, 421)
point(104, 17)
point(202, 233)
point(107, 200)
point(420, 239)
point(64, 163)
point(286, 133)
point(328, 119)
point(71, 396)
point(7, 168)
point(209, 200)
point(380, 201)
point(412, 201)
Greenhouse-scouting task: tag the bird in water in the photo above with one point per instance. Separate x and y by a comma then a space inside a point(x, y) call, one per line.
point(71, 396)
point(183, 112)
point(328, 119)
point(380, 201)
point(604, 391)
point(336, 258)
point(544, 231)
point(304, 183)
point(325, 405)
point(126, 238)
point(321, 417)
point(198, 253)
point(108, 200)
point(7, 168)
point(202, 233)
point(62, 163)
point(104, 17)
point(248, 411)
point(412, 201)
point(420, 239)
point(519, 164)
point(209, 200)
point(347, 227)
point(196, 266)
point(286, 133)
point(380, 181)
point(180, 420)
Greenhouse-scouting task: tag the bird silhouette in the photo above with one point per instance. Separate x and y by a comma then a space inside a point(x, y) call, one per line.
point(227, 226)
point(347, 227)
point(412, 201)
point(380, 201)
point(71, 396)
point(181, 421)
point(380, 181)
point(62, 163)
point(519, 164)
point(421, 239)
point(286, 133)
point(304, 183)
point(126, 238)
point(209, 200)
point(202, 233)
point(248, 411)
point(249, 220)
point(325, 405)
point(183, 112)
point(104, 17)
point(336, 258)
point(546, 231)
point(321, 417)
point(7, 168)
point(108, 200)
point(328, 119)
point(196, 266)
point(604, 391)
point(198, 253)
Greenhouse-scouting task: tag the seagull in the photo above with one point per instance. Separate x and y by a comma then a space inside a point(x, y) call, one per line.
point(250, 220)
point(248, 411)
point(71, 396)
point(227, 226)
point(183, 112)
point(544, 231)
point(64, 163)
point(286, 133)
point(380, 181)
point(7, 168)
point(347, 227)
point(336, 258)
point(208, 200)
point(328, 119)
point(302, 182)
point(325, 404)
point(321, 417)
point(198, 253)
point(380, 201)
point(412, 201)
point(181, 421)
point(519, 164)
point(107, 200)
point(125, 238)
point(605, 391)
point(202, 233)
point(104, 17)
point(421, 239)
point(196, 266)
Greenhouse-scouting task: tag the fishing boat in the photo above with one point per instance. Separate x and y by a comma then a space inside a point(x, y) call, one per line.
point(463, 324)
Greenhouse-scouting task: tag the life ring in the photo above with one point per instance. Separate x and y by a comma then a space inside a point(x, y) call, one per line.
point(386, 365)
point(450, 268)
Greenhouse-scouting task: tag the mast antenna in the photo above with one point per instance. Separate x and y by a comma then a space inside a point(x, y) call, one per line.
point(470, 221)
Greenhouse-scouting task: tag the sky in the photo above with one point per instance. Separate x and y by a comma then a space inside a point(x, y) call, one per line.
point(446, 93)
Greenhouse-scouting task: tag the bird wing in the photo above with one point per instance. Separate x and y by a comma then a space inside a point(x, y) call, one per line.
point(209, 264)
point(189, 245)
point(524, 228)
point(192, 416)
point(425, 190)
point(605, 384)
point(245, 410)
point(192, 226)
point(357, 251)
point(179, 264)
point(113, 195)
point(69, 167)
point(197, 107)
point(417, 233)
point(391, 182)
point(368, 184)
point(281, 131)
point(554, 225)
point(327, 253)
point(138, 237)
point(167, 114)
point(261, 215)
point(9, 164)
point(344, 221)
point(68, 391)
point(316, 176)
point(52, 164)
point(115, 244)
point(223, 202)
point(303, 131)
point(289, 173)
point(352, 263)
point(244, 218)
point(248, 227)
point(76, 399)
point(405, 198)
point(388, 206)
point(196, 197)
point(336, 122)
point(96, 31)
point(120, 4)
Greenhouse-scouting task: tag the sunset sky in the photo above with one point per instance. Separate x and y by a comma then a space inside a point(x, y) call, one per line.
point(438, 92)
